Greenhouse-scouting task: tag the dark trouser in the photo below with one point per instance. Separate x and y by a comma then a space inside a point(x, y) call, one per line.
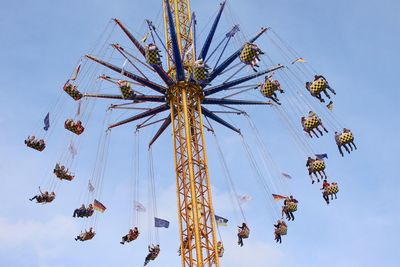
point(291, 216)
point(147, 259)
point(326, 197)
point(240, 241)
point(35, 197)
point(278, 238)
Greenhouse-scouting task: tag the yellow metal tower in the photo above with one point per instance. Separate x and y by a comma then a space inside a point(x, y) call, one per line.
point(196, 215)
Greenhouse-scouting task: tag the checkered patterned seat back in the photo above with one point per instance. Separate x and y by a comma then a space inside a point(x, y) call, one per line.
point(248, 54)
point(73, 92)
point(346, 138)
point(318, 165)
point(291, 206)
point(126, 91)
point(318, 86)
point(332, 189)
point(268, 88)
point(200, 74)
point(152, 57)
point(311, 123)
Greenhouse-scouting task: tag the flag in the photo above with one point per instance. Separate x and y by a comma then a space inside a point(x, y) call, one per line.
point(99, 206)
point(72, 149)
point(300, 59)
point(221, 221)
point(234, 30)
point(160, 223)
point(123, 66)
point(278, 197)
point(321, 156)
point(144, 39)
point(244, 198)
point(78, 111)
point(139, 206)
point(330, 106)
point(286, 175)
point(90, 187)
point(47, 122)
point(78, 68)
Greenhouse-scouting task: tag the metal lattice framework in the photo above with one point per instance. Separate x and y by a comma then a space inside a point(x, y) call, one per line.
point(186, 100)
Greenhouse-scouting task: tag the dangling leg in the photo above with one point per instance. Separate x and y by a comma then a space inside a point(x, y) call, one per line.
point(355, 147)
point(312, 130)
point(309, 133)
point(275, 100)
point(323, 171)
point(315, 173)
point(310, 174)
point(326, 93)
point(319, 131)
point(325, 196)
point(335, 196)
point(35, 197)
point(347, 149)
point(340, 150)
point(318, 96)
point(323, 127)
point(291, 215)
point(330, 88)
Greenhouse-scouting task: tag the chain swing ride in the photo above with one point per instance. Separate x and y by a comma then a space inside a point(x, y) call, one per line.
point(169, 72)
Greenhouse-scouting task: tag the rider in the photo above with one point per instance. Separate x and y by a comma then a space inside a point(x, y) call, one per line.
point(242, 230)
point(309, 164)
point(278, 227)
point(153, 253)
point(325, 186)
point(289, 214)
point(345, 130)
point(42, 196)
point(86, 235)
point(79, 212)
point(132, 235)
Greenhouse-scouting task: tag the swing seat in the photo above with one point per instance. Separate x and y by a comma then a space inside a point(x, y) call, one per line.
point(249, 53)
point(311, 123)
point(268, 89)
point(318, 165)
point(36, 145)
point(126, 91)
point(244, 233)
point(154, 255)
point(318, 86)
point(73, 127)
point(291, 206)
point(44, 200)
point(346, 138)
point(86, 213)
point(282, 230)
point(63, 175)
point(152, 56)
point(87, 236)
point(72, 91)
point(132, 237)
point(332, 189)
point(200, 73)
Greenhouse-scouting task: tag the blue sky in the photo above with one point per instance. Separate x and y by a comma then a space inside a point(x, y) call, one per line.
point(353, 43)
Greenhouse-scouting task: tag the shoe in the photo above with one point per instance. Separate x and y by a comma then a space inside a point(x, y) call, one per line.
point(312, 182)
point(121, 243)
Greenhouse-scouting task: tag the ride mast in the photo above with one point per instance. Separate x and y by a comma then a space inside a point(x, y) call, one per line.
point(195, 207)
